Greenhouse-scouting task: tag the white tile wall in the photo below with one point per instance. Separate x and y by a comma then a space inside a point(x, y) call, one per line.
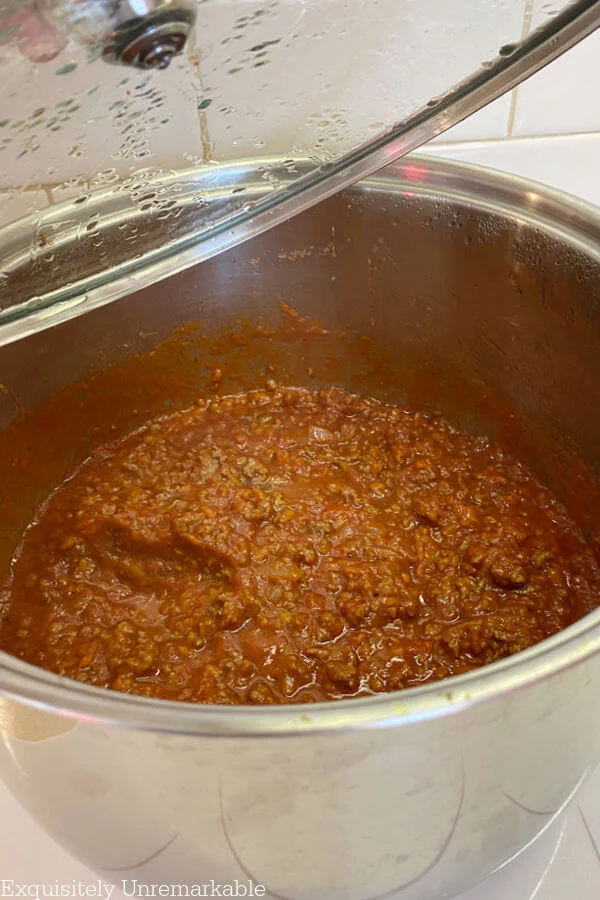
point(340, 72)
point(563, 97)
point(555, 101)
point(490, 123)
point(92, 118)
point(560, 99)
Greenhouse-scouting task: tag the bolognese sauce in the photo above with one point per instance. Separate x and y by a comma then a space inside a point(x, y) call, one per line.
point(292, 545)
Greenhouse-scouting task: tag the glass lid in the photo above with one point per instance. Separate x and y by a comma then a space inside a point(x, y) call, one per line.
point(138, 137)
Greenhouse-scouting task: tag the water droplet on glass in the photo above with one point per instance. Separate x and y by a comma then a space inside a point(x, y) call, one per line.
point(66, 69)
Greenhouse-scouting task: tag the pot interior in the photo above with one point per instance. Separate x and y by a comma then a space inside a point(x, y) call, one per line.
point(435, 299)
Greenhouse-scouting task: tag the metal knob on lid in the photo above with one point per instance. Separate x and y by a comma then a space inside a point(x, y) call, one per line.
point(152, 43)
point(154, 48)
point(146, 34)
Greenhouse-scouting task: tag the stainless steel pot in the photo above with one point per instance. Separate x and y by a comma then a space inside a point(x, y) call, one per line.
point(479, 294)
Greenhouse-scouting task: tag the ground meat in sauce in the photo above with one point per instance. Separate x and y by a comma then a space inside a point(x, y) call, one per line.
point(287, 545)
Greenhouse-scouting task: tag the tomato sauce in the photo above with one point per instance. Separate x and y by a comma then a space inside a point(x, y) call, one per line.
point(289, 545)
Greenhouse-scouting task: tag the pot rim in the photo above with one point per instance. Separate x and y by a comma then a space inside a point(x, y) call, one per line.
point(553, 212)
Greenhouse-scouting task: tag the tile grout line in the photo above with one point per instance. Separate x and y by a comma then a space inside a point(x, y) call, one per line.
point(514, 138)
point(512, 112)
point(202, 117)
point(205, 138)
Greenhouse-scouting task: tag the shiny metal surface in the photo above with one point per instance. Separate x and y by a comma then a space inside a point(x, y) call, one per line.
point(481, 294)
point(146, 34)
